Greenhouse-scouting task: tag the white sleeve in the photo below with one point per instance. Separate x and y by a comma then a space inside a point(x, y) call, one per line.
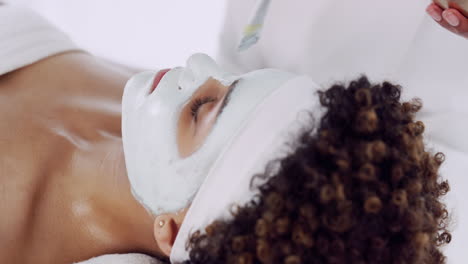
point(237, 16)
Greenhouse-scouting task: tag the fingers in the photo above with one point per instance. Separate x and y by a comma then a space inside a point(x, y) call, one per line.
point(451, 19)
point(435, 12)
point(456, 20)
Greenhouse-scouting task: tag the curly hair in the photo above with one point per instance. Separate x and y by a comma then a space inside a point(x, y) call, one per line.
point(361, 188)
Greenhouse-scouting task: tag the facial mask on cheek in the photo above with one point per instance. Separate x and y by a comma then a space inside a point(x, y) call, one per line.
point(161, 180)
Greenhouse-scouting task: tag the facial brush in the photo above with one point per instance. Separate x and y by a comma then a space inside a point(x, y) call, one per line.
point(252, 31)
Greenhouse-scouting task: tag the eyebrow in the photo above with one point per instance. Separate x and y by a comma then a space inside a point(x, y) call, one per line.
point(231, 88)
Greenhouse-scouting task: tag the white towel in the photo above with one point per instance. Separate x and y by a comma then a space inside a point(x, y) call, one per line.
point(26, 37)
point(122, 259)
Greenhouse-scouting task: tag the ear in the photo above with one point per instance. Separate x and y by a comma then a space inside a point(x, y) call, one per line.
point(166, 227)
point(165, 232)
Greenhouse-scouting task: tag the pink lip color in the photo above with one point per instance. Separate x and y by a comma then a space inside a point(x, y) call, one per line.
point(158, 78)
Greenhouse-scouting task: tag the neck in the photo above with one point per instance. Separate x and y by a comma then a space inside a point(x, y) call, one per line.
point(98, 214)
point(106, 218)
point(118, 222)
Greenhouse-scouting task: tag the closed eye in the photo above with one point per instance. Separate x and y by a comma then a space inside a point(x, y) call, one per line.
point(199, 102)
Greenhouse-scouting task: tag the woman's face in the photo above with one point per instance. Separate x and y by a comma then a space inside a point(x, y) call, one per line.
point(176, 123)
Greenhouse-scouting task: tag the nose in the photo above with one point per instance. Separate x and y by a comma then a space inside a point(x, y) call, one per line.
point(199, 68)
point(203, 66)
point(187, 79)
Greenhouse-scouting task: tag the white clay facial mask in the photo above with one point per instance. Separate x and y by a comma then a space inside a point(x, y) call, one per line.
point(162, 178)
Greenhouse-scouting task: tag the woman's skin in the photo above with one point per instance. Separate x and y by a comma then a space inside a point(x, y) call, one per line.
point(65, 188)
point(65, 194)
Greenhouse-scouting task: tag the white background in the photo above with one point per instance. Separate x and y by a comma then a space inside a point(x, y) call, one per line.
point(148, 34)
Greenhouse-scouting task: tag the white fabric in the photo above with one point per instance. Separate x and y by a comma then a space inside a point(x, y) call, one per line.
point(122, 259)
point(264, 137)
point(26, 37)
point(337, 40)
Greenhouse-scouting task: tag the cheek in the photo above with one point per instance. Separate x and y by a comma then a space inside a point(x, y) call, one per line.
point(142, 128)
point(134, 137)
point(185, 134)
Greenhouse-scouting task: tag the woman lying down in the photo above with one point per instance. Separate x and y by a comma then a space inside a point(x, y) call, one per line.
point(266, 168)
point(258, 168)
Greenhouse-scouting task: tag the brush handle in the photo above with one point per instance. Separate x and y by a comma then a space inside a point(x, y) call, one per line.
point(251, 33)
point(260, 13)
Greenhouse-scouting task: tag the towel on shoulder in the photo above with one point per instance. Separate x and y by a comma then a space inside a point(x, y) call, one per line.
point(122, 259)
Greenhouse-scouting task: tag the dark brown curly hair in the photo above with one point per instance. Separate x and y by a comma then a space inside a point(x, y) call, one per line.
point(361, 188)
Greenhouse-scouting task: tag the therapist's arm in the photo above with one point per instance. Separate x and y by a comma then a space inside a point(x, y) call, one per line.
point(451, 19)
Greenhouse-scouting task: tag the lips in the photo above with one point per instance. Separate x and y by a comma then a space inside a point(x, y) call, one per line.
point(158, 78)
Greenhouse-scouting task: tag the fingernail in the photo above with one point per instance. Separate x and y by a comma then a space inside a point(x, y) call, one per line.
point(434, 15)
point(451, 19)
